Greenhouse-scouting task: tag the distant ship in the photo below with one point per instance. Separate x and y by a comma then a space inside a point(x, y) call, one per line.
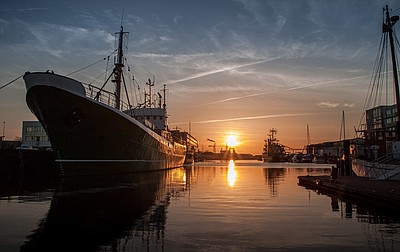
point(273, 151)
point(86, 124)
point(378, 155)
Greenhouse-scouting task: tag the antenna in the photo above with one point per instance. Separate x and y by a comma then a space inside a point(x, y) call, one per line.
point(122, 16)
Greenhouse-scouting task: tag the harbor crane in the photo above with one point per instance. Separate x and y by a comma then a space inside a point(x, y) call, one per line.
point(214, 146)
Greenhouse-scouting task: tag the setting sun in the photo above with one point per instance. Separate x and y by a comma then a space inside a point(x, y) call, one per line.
point(231, 141)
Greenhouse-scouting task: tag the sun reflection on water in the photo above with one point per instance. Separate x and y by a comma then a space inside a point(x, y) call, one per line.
point(232, 175)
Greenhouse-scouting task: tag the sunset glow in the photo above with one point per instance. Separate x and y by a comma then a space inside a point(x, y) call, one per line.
point(258, 66)
point(231, 141)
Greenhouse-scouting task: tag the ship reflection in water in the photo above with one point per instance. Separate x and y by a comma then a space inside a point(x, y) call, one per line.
point(235, 206)
point(92, 213)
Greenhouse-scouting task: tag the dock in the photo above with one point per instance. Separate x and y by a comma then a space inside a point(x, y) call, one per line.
point(379, 193)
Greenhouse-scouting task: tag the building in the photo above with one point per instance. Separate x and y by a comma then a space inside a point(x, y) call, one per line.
point(192, 145)
point(34, 135)
point(380, 127)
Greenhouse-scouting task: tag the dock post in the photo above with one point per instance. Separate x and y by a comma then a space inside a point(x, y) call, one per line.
point(347, 163)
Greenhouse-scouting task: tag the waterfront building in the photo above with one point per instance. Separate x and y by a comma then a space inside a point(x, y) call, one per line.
point(380, 128)
point(34, 135)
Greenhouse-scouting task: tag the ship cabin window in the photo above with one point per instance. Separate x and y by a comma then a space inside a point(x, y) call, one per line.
point(155, 117)
point(148, 117)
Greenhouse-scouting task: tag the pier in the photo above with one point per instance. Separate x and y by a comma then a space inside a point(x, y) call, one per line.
point(380, 193)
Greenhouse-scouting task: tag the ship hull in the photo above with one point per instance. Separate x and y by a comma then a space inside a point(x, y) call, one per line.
point(375, 170)
point(82, 130)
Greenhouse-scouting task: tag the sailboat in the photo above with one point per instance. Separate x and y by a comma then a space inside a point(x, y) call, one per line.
point(91, 125)
point(379, 156)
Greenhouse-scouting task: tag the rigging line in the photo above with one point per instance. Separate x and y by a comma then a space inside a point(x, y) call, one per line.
point(126, 91)
point(130, 85)
point(101, 89)
point(105, 75)
point(86, 67)
point(11, 82)
point(83, 68)
point(138, 90)
point(373, 80)
point(374, 76)
point(394, 10)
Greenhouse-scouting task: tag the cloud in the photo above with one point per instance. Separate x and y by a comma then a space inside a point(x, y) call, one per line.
point(24, 9)
point(349, 105)
point(220, 70)
point(247, 118)
point(328, 104)
point(62, 40)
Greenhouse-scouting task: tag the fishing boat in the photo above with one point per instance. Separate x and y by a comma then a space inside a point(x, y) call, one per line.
point(379, 155)
point(273, 151)
point(91, 125)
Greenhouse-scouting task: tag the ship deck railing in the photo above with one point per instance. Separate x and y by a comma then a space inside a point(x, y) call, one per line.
point(104, 96)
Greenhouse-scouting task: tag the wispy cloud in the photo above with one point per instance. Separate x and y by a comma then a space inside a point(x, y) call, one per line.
point(247, 118)
point(349, 105)
point(220, 70)
point(328, 104)
point(25, 9)
point(290, 89)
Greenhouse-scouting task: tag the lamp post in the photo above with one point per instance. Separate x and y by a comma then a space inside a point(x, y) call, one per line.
point(4, 130)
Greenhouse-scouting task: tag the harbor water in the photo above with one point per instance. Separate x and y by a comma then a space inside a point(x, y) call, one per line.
point(208, 206)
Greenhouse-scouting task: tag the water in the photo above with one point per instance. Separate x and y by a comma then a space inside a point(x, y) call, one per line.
point(211, 206)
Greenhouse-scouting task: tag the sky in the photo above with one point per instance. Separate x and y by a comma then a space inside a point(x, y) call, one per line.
point(236, 67)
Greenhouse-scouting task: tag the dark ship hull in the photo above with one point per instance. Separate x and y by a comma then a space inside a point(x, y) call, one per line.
point(84, 130)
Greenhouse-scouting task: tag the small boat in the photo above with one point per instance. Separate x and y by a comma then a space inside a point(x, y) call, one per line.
point(88, 124)
point(379, 155)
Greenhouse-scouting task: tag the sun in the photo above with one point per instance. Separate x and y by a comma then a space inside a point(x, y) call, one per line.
point(231, 141)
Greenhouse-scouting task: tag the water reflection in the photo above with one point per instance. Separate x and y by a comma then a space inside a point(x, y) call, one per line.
point(104, 212)
point(273, 177)
point(232, 174)
point(190, 209)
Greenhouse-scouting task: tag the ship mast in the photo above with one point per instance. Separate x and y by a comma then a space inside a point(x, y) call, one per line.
point(387, 27)
point(119, 64)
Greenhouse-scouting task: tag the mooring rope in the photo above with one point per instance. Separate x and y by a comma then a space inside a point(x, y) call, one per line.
point(11, 82)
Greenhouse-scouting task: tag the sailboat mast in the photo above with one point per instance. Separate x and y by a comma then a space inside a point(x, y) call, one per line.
point(390, 21)
point(118, 69)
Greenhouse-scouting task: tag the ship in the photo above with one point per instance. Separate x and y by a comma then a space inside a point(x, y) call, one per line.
point(273, 151)
point(376, 152)
point(88, 124)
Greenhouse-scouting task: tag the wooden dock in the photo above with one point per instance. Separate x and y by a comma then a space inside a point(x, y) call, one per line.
point(382, 193)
